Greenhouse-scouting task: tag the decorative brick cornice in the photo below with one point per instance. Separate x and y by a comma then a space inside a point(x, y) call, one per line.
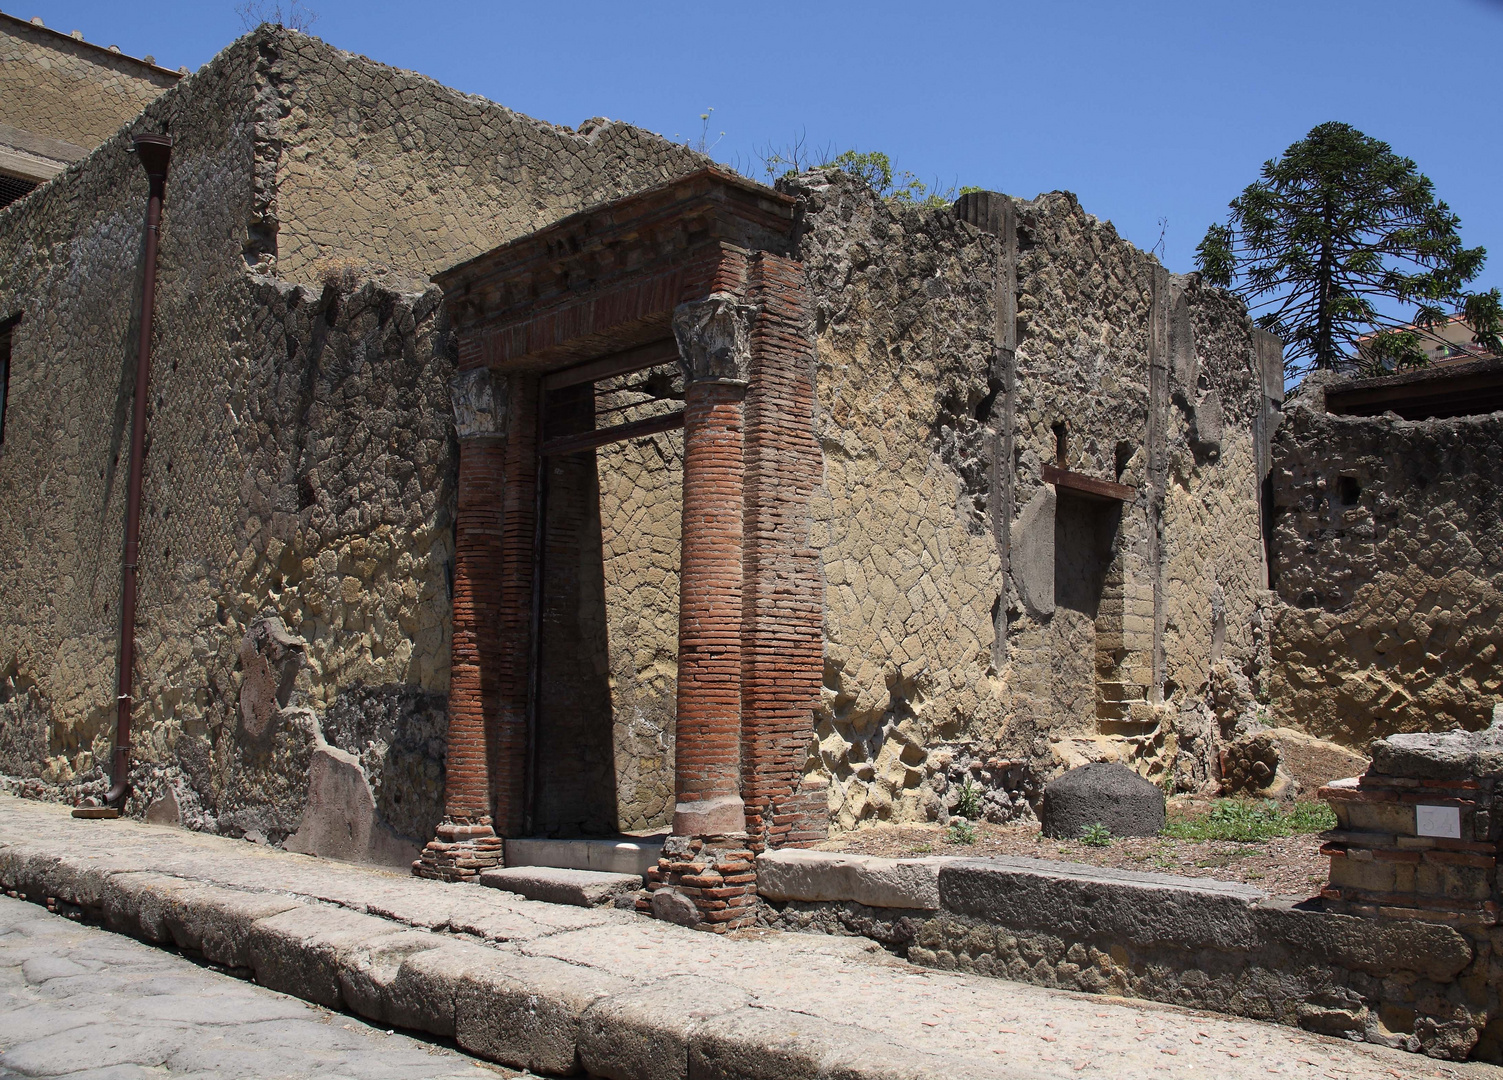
point(481, 400)
point(714, 339)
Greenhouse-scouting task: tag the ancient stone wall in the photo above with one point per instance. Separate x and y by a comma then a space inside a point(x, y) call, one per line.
point(935, 658)
point(388, 171)
point(301, 455)
point(641, 513)
point(1388, 560)
point(72, 257)
point(911, 574)
point(59, 88)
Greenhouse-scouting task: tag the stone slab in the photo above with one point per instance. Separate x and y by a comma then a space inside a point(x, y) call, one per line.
point(1087, 903)
point(624, 855)
point(558, 885)
point(793, 874)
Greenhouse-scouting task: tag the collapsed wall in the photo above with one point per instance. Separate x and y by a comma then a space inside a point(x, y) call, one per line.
point(301, 457)
point(1388, 556)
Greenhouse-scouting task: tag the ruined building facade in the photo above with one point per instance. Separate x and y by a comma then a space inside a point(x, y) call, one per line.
point(983, 481)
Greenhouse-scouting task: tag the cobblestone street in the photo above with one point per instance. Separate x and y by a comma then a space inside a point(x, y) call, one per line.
point(82, 1002)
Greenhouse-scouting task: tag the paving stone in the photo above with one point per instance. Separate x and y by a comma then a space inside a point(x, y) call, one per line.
point(557, 885)
point(166, 1018)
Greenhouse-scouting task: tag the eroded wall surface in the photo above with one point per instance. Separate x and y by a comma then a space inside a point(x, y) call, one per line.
point(951, 651)
point(1388, 557)
point(301, 454)
point(385, 171)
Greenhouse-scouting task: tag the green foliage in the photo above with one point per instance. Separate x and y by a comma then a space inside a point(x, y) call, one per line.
point(1484, 314)
point(1251, 821)
point(1392, 350)
point(1338, 222)
point(871, 166)
point(1096, 835)
point(961, 831)
point(968, 804)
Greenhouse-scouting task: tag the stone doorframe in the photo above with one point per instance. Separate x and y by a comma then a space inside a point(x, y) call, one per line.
point(697, 270)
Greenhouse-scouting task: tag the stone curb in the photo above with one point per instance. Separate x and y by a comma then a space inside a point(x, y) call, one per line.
point(525, 1012)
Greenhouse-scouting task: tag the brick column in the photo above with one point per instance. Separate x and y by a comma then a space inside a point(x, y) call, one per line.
point(783, 593)
point(705, 877)
point(466, 842)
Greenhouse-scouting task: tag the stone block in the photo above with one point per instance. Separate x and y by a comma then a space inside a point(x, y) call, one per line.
point(1089, 904)
point(645, 1034)
point(555, 885)
point(794, 874)
point(421, 996)
point(218, 922)
point(526, 1011)
point(340, 821)
point(301, 951)
point(1102, 793)
point(770, 1044)
point(1378, 947)
point(627, 855)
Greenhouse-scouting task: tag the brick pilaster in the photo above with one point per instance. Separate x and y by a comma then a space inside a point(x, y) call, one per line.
point(513, 626)
point(707, 748)
point(783, 591)
point(466, 842)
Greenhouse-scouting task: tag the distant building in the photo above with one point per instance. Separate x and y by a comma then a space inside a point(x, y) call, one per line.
point(1449, 342)
point(60, 97)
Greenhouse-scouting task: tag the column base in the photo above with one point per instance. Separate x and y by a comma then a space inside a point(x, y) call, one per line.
point(462, 849)
point(703, 882)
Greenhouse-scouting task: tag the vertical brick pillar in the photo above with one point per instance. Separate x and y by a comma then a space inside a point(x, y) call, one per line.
point(783, 593)
point(514, 617)
point(705, 877)
point(466, 842)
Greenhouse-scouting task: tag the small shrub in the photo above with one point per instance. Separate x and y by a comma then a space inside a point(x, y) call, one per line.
point(1096, 835)
point(968, 804)
point(962, 832)
point(1249, 821)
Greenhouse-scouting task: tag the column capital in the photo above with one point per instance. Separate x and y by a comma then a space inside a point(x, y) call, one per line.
point(714, 339)
point(481, 399)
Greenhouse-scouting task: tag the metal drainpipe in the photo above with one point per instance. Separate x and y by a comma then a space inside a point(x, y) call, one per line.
point(154, 153)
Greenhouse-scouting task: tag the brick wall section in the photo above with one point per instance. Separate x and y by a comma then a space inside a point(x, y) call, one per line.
point(783, 597)
point(709, 664)
point(477, 603)
point(514, 626)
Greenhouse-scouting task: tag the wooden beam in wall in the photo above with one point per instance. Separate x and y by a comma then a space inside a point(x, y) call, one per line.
point(1088, 486)
point(625, 362)
point(591, 440)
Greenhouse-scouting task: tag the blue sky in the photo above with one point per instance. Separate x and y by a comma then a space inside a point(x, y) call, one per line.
point(1147, 111)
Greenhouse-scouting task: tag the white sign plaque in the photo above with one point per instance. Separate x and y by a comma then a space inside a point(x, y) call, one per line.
point(1438, 821)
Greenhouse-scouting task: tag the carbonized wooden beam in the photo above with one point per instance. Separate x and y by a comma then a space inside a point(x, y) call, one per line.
point(1089, 486)
point(625, 362)
point(591, 440)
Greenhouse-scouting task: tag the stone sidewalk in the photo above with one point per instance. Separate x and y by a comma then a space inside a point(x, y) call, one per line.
point(78, 1003)
point(555, 989)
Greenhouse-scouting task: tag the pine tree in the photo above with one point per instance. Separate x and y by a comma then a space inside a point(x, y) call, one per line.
point(1337, 224)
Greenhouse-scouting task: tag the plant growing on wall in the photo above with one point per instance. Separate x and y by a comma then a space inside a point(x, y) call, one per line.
point(872, 166)
point(1336, 227)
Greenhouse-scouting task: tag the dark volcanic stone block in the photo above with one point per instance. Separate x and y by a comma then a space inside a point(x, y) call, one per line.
point(1110, 794)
